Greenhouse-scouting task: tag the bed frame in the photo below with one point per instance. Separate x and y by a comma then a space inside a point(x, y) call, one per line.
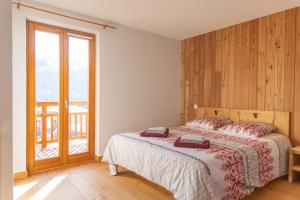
point(280, 119)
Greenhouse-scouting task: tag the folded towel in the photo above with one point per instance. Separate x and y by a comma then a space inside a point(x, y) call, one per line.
point(196, 138)
point(155, 134)
point(191, 141)
point(198, 145)
point(157, 129)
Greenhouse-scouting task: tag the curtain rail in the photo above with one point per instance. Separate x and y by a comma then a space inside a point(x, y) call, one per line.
point(104, 26)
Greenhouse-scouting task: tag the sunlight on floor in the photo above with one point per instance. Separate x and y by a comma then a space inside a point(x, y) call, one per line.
point(46, 190)
point(20, 190)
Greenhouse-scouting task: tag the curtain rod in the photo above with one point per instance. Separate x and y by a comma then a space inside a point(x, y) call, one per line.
point(18, 4)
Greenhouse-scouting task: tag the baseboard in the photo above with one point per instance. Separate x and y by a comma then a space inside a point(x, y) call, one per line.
point(23, 175)
point(20, 175)
point(98, 158)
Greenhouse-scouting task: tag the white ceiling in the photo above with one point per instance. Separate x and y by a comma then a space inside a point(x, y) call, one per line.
point(177, 19)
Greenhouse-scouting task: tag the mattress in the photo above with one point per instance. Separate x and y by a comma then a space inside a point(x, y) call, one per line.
point(230, 169)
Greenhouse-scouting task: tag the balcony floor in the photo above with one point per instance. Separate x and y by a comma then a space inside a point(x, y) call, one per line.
point(76, 146)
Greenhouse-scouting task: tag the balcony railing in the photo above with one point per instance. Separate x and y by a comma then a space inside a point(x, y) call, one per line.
point(47, 121)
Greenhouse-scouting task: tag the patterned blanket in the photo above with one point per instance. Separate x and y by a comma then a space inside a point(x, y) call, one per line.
point(230, 169)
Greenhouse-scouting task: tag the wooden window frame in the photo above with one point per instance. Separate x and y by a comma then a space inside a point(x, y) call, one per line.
point(64, 159)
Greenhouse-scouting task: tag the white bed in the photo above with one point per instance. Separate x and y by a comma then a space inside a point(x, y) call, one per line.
point(230, 169)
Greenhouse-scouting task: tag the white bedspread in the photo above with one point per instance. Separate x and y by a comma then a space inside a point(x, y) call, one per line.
point(230, 169)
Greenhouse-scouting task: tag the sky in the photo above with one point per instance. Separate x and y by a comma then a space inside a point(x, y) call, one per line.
point(47, 67)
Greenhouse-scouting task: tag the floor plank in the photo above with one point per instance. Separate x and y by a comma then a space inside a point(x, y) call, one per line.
point(93, 181)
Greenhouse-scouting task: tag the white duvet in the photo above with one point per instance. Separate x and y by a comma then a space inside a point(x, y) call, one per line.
point(230, 169)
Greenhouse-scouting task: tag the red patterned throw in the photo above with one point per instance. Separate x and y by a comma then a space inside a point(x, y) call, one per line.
point(234, 161)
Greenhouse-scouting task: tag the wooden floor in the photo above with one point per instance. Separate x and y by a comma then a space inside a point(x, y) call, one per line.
point(92, 181)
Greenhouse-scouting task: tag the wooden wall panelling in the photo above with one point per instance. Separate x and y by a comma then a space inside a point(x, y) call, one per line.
point(201, 69)
point(186, 82)
point(219, 50)
point(238, 66)
point(279, 61)
point(218, 67)
point(224, 66)
point(289, 60)
point(296, 136)
point(191, 76)
point(252, 71)
point(208, 71)
point(186, 105)
point(270, 62)
point(216, 95)
point(253, 65)
point(182, 81)
point(253, 44)
point(245, 65)
point(230, 67)
point(289, 64)
point(215, 85)
point(261, 63)
point(196, 75)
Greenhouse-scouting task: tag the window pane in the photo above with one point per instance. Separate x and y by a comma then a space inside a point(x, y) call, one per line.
point(47, 73)
point(78, 94)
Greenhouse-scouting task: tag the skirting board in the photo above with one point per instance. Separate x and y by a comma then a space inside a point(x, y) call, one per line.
point(20, 175)
point(98, 158)
point(23, 175)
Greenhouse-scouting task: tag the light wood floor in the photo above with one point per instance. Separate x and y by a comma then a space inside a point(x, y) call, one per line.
point(92, 181)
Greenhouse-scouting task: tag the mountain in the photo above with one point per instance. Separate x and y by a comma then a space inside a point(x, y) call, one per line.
point(47, 80)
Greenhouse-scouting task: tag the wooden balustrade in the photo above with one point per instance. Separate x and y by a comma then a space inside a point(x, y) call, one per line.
point(45, 133)
point(79, 119)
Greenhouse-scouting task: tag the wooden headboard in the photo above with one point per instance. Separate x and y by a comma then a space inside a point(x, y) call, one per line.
point(280, 119)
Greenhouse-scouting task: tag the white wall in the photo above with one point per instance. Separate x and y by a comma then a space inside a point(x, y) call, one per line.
point(137, 80)
point(6, 177)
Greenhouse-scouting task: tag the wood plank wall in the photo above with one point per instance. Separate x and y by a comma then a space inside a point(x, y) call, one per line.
point(253, 65)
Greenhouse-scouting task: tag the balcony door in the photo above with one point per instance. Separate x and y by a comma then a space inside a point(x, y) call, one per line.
point(60, 96)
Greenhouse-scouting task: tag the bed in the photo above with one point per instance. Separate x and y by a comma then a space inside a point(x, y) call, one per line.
point(230, 169)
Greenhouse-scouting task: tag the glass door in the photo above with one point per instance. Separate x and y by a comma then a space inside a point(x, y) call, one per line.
point(47, 65)
point(60, 96)
point(44, 94)
point(80, 48)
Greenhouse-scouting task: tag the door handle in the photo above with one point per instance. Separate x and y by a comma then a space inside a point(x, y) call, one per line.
point(66, 104)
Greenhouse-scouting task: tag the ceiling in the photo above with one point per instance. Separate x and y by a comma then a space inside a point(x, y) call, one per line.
point(176, 19)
